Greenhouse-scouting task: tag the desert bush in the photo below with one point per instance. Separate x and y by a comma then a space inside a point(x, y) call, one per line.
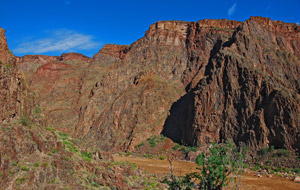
point(219, 167)
point(283, 153)
point(25, 120)
point(163, 157)
point(87, 155)
point(176, 146)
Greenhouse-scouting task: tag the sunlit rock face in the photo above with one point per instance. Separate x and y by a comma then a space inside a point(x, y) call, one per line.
point(195, 82)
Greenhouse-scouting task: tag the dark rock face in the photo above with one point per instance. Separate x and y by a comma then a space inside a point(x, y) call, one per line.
point(36, 156)
point(195, 82)
point(10, 82)
point(249, 91)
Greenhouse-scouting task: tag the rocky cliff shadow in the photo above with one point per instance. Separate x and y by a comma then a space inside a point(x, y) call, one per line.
point(178, 125)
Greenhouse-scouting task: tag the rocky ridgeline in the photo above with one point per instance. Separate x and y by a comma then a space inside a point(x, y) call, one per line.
point(10, 82)
point(194, 82)
point(34, 155)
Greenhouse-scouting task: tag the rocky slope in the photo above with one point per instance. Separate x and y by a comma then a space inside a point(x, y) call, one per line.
point(10, 82)
point(34, 156)
point(194, 82)
point(248, 91)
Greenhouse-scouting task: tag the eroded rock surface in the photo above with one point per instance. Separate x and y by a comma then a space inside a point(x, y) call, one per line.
point(195, 82)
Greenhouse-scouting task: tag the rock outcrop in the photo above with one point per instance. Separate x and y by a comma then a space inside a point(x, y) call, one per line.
point(34, 155)
point(10, 82)
point(194, 82)
point(248, 90)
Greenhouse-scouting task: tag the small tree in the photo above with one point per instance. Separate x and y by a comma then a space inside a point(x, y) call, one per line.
point(217, 164)
point(219, 167)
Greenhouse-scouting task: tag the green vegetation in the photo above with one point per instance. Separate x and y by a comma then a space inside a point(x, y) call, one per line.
point(8, 66)
point(71, 147)
point(25, 120)
point(176, 146)
point(216, 169)
point(63, 136)
point(140, 145)
point(185, 149)
point(163, 157)
point(87, 155)
point(283, 153)
point(153, 141)
point(54, 150)
point(265, 150)
point(24, 168)
point(148, 156)
point(20, 180)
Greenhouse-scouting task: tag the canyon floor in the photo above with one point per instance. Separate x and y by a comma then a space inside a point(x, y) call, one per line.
point(249, 180)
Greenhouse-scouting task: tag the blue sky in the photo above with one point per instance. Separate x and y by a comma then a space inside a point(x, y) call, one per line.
point(52, 27)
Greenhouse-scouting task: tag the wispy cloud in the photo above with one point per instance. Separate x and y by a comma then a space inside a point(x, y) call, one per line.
point(59, 40)
point(298, 23)
point(231, 10)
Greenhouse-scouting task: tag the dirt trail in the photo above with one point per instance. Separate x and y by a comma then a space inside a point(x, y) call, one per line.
point(249, 181)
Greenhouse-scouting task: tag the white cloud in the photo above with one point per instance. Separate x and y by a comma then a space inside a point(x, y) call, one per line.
point(298, 23)
point(231, 10)
point(59, 40)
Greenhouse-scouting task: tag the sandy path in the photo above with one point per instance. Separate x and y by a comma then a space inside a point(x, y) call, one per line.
point(249, 181)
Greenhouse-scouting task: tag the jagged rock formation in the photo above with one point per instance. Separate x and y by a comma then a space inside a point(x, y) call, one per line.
point(10, 82)
point(248, 90)
point(195, 82)
point(34, 156)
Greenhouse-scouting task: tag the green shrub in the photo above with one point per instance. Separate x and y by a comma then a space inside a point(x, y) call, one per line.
point(25, 120)
point(163, 157)
point(140, 145)
point(20, 181)
point(255, 167)
point(283, 153)
point(246, 165)
point(186, 149)
point(287, 169)
point(278, 170)
point(24, 168)
point(73, 149)
point(63, 135)
point(176, 146)
point(54, 150)
point(37, 110)
point(95, 184)
point(297, 170)
point(147, 156)
point(134, 166)
point(215, 167)
point(7, 66)
point(153, 141)
point(87, 155)
point(162, 137)
point(264, 151)
point(45, 164)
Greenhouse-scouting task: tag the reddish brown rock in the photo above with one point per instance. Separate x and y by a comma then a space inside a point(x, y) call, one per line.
point(195, 82)
point(10, 82)
point(248, 91)
point(113, 50)
point(74, 56)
